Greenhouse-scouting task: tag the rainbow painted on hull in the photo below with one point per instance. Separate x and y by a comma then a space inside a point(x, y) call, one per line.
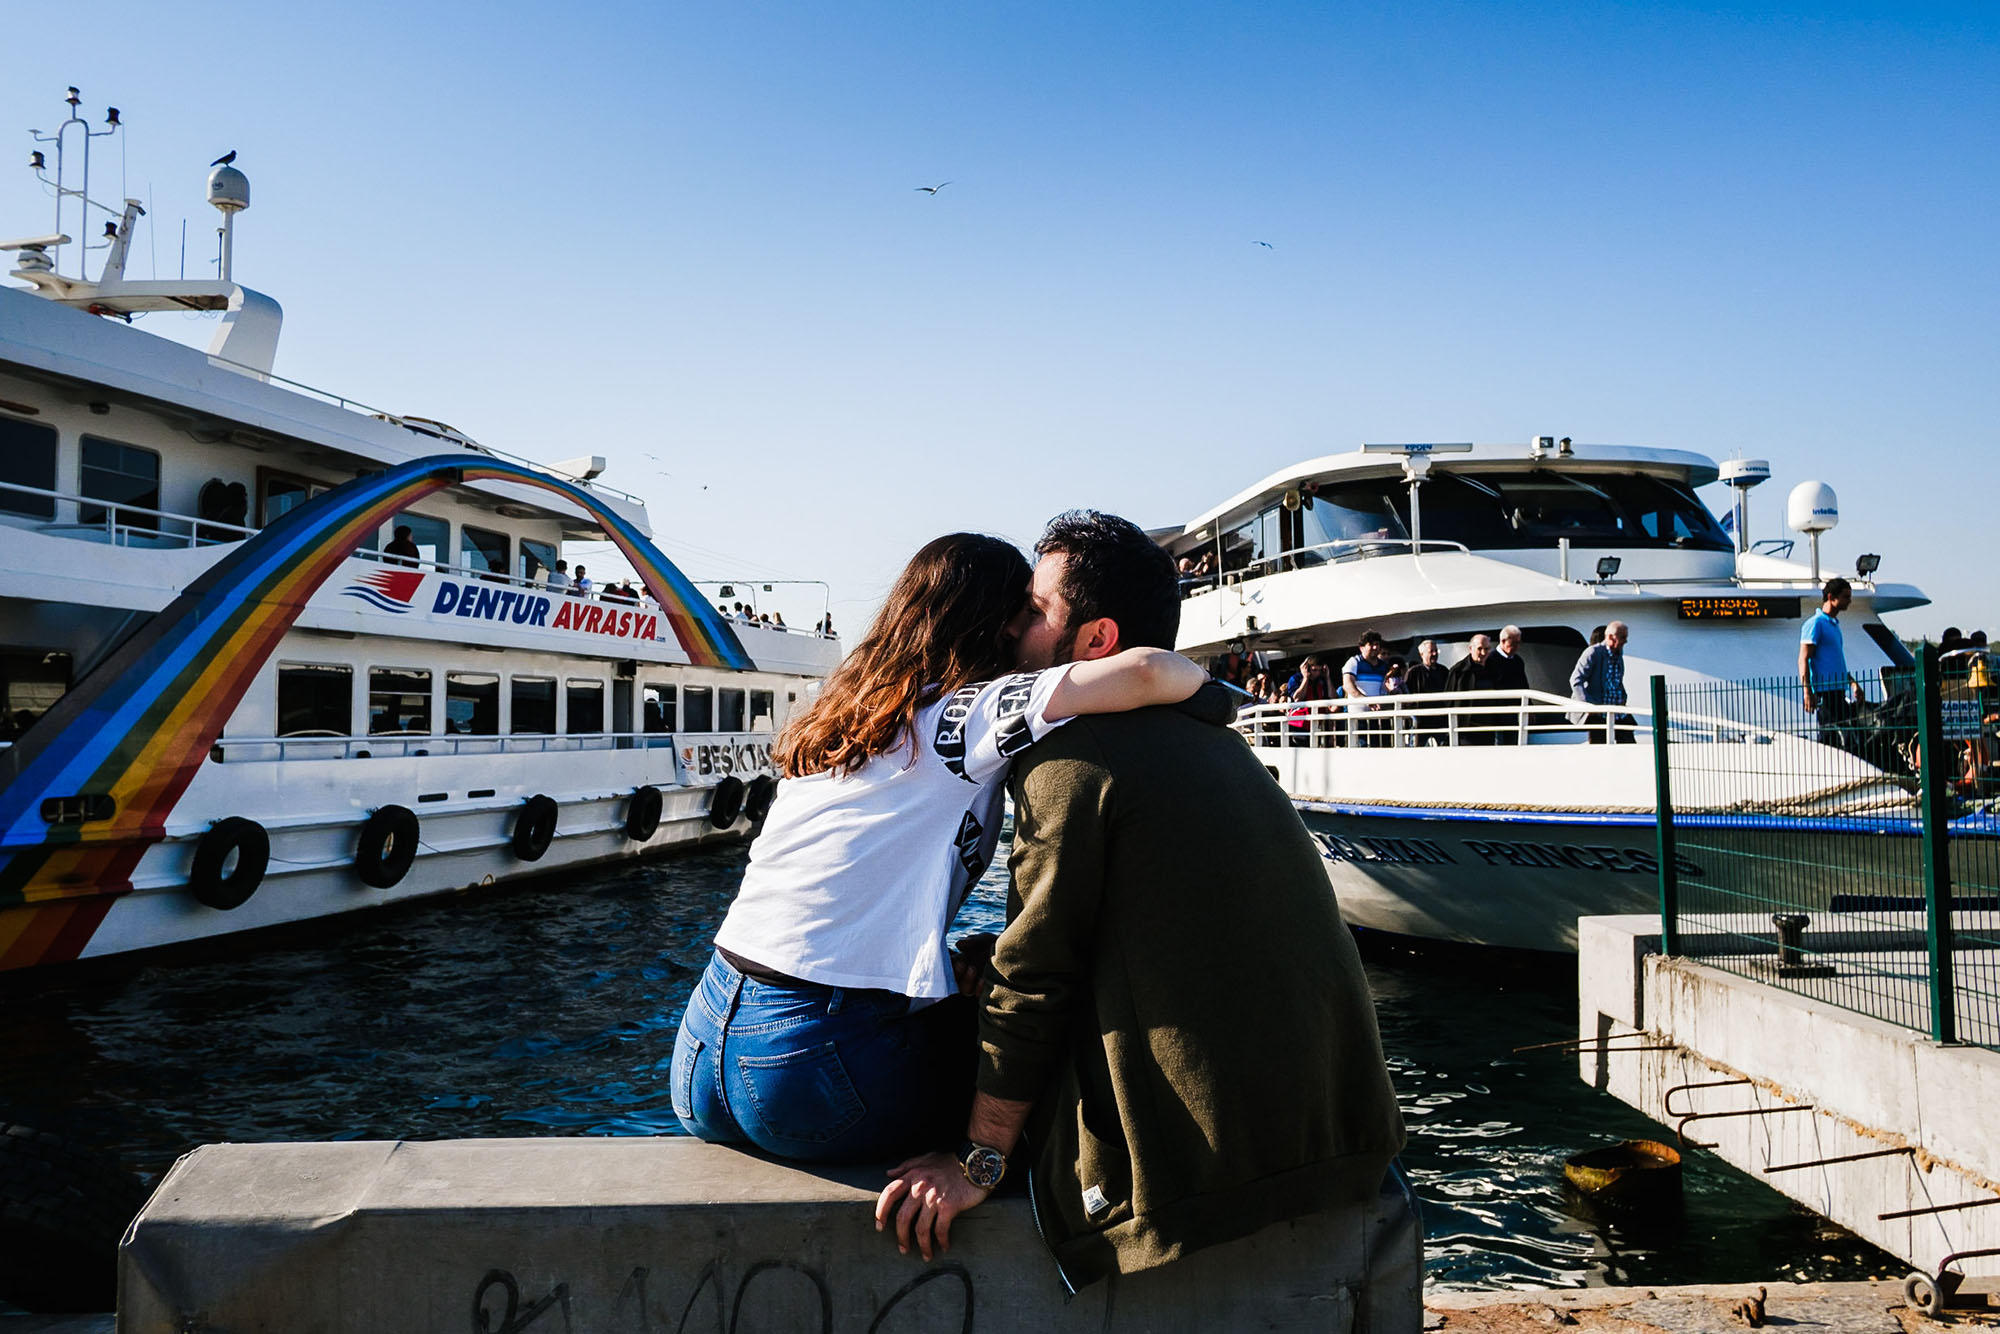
point(139, 726)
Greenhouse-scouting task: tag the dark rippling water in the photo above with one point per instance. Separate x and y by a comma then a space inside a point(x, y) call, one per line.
point(551, 1010)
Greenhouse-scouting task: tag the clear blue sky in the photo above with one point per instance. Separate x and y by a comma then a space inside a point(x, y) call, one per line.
point(693, 232)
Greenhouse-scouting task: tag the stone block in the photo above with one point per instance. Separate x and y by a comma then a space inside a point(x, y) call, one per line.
point(631, 1236)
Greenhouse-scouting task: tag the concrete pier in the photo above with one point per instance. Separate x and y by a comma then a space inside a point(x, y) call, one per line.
point(1704, 1308)
point(1777, 1083)
point(625, 1236)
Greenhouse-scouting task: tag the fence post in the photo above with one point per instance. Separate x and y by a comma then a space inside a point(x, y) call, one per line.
point(1663, 804)
point(1934, 813)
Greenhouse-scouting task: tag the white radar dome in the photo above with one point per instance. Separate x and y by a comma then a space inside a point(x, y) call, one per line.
point(1812, 508)
point(1744, 473)
point(229, 189)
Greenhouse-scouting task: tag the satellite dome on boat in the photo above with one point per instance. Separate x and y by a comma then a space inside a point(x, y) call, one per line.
point(229, 189)
point(1812, 508)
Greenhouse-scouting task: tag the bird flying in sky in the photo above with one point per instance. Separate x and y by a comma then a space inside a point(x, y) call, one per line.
point(1266, 244)
point(933, 189)
point(225, 159)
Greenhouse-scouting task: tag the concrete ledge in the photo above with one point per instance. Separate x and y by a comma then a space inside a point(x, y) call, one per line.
point(637, 1235)
point(1707, 1308)
point(1823, 1083)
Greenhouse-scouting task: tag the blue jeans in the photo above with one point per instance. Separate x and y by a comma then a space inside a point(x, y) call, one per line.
point(821, 1074)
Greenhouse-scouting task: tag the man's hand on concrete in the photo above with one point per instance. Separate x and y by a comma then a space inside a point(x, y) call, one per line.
point(927, 1192)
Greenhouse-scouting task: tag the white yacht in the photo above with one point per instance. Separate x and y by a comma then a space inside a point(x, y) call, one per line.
point(268, 655)
point(1489, 819)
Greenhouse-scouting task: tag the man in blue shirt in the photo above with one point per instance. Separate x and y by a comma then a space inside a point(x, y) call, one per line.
point(1599, 678)
point(1363, 678)
point(1823, 664)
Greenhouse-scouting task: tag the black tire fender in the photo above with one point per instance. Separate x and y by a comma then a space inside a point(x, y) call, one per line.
point(388, 846)
point(757, 802)
point(642, 813)
point(725, 802)
point(534, 827)
point(213, 879)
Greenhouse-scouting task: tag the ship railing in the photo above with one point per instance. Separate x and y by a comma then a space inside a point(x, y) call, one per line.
point(1337, 552)
point(1473, 718)
point(398, 745)
point(129, 525)
point(356, 406)
point(121, 523)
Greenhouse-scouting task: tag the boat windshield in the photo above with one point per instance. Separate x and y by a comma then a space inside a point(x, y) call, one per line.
point(1537, 509)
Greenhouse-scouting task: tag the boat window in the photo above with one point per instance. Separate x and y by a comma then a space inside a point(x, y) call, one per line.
point(1895, 650)
point(537, 559)
point(27, 458)
point(586, 707)
point(1241, 545)
point(482, 550)
point(1498, 511)
point(534, 699)
point(472, 704)
point(698, 708)
point(432, 536)
point(763, 708)
point(124, 474)
point(278, 494)
point(659, 707)
point(31, 681)
point(732, 711)
point(399, 701)
point(315, 699)
point(1351, 512)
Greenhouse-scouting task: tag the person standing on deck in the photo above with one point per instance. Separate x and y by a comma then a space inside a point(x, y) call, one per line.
point(1509, 672)
point(1823, 664)
point(1599, 678)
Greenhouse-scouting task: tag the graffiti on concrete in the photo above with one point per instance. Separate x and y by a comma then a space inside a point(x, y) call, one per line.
point(497, 1307)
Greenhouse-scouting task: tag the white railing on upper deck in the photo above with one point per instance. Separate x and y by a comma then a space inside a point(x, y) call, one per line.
point(355, 405)
point(1472, 718)
point(116, 528)
point(397, 745)
point(1320, 553)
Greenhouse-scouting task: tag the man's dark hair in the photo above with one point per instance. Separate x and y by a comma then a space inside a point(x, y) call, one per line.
point(1114, 570)
point(1836, 587)
point(1369, 637)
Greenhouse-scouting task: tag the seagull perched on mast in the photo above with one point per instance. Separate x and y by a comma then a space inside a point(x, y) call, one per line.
point(933, 189)
point(225, 159)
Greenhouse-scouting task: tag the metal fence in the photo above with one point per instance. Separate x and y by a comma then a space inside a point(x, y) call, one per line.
point(1849, 852)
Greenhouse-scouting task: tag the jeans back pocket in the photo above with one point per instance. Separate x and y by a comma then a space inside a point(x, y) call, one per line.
point(803, 1096)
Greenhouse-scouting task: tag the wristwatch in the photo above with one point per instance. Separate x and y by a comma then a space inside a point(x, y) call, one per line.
point(983, 1165)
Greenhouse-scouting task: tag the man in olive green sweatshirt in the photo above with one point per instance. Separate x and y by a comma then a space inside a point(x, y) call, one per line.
point(1177, 1044)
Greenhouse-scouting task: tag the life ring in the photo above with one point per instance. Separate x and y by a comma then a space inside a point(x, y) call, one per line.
point(725, 802)
point(757, 804)
point(220, 882)
point(534, 827)
point(388, 846)
point(642, 814)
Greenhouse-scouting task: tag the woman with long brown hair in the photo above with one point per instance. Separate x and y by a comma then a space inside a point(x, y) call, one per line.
point(827, 1026)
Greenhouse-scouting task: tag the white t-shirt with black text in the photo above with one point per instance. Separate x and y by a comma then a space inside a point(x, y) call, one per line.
point(855, 878)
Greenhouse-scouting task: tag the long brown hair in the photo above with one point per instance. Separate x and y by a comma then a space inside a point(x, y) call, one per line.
point(943, 626)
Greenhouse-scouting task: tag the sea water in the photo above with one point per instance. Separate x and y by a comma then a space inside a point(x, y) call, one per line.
point(550, 1009)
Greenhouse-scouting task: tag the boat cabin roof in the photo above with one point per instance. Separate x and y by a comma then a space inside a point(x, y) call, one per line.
point(1678, 465)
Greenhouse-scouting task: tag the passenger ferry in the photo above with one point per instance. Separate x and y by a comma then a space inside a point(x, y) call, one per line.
point(268, 655)
point(1485, 818)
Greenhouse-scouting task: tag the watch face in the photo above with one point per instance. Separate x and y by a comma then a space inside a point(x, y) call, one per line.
point(984, 1167)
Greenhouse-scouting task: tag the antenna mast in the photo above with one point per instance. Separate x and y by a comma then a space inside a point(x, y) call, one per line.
point(66, 192)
